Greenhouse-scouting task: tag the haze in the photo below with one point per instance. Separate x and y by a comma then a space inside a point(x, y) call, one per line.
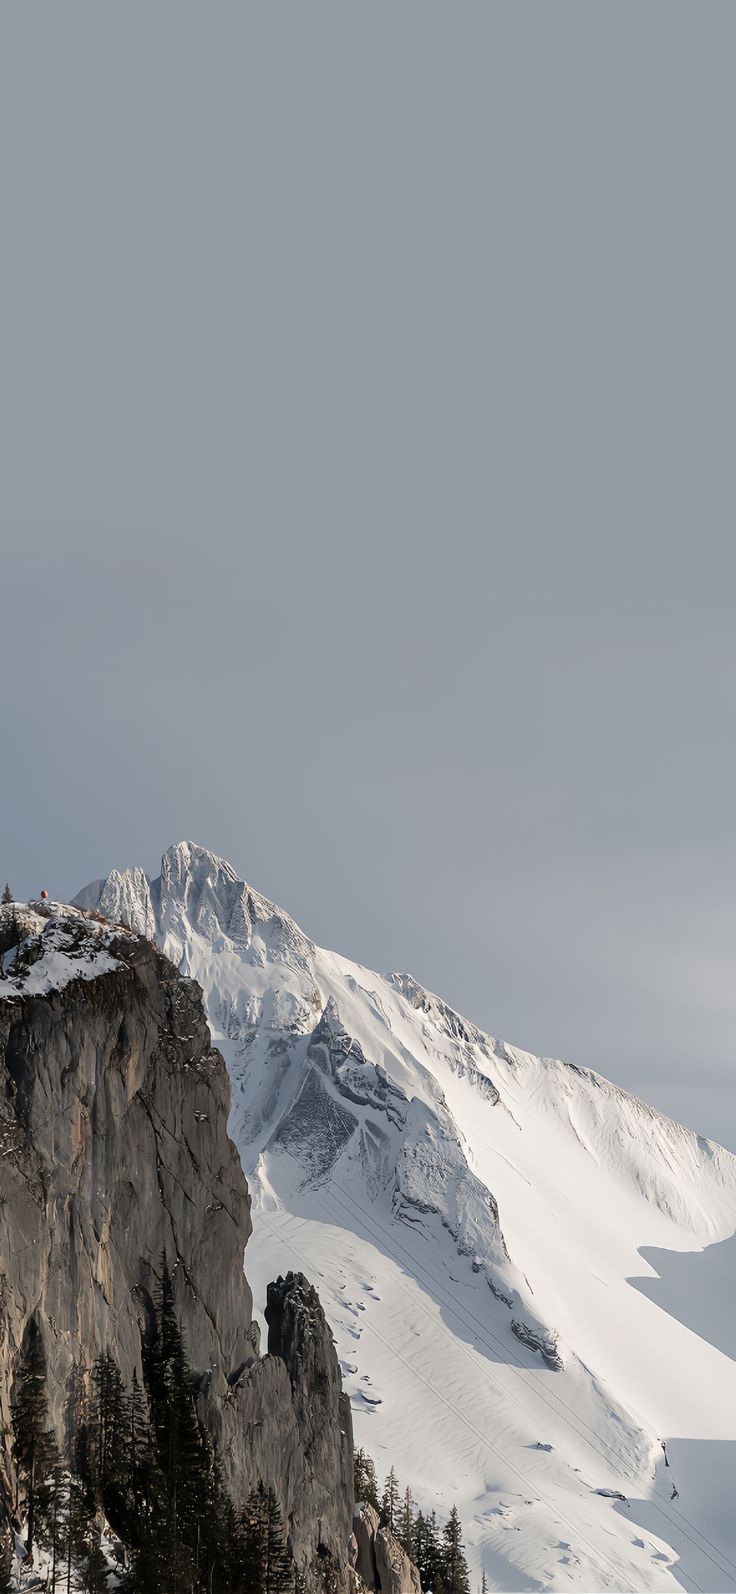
point(368, 496)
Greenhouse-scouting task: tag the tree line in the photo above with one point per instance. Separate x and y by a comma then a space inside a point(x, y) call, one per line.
point(437, 1552)
point(139, 1459)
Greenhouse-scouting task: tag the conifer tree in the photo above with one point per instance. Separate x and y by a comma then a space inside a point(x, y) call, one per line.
point(79, 1528)
point(187, 1519)
point(390, 1501)
point(454, 1565)
point(49, 1517)
point(254, 1540)
point(484, 1584)
point(64, 1525)
point(280, 1570)
point(405, 1522)
point(364, 1479)
point(107, 1436)
point(226, 1579)
point(155, 1567)
point(83, 1552)
point(143, 1487)
point(7, 894)
point(217, 1534)
point(431, 1569)
point(264, 1561)
point(34, 1448)
point(181, 1454)
point(418, 1545)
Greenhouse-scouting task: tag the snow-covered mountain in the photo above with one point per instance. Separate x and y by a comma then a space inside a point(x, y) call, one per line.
point(529, 1273)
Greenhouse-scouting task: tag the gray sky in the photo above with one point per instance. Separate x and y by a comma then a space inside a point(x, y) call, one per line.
point(368, 492)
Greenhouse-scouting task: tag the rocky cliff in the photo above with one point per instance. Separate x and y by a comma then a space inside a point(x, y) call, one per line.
point(381, 1564)
point(114, 1154)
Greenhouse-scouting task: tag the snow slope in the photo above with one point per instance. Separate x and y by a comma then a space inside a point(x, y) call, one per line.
point(528, 1272)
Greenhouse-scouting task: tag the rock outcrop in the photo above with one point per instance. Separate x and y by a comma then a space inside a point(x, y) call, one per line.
point(114, 1154)
point(380, 1561)
point(299, 1338)
point(396, 1573)
point(366, 1522)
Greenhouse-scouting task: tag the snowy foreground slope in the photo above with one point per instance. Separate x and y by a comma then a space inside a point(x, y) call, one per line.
point(530, 1274)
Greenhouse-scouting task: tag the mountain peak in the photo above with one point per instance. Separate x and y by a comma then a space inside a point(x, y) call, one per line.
point(198, 906)
point(186, 860)
point(502, 1207)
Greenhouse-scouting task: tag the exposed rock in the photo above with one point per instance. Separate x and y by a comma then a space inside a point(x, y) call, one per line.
point(396, 1573)
point(299, 1336)
point(365, 1528)
point(113, 1153)
point(381, 1563)
point(546, 1343)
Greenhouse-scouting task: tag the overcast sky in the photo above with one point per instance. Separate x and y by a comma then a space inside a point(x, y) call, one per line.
point(367, 488)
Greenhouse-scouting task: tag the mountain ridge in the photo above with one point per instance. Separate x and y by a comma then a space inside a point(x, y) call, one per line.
point(511, 1196)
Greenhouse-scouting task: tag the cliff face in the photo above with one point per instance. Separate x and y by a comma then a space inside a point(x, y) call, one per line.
point(114, 1153)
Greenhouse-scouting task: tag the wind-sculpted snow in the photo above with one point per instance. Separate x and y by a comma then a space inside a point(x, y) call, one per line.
point(432, 1176)
point(482, 1225)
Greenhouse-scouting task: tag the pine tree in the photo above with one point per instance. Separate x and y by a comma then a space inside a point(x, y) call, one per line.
point(280, 1569)
point(50, 1519)
point(153, 1562)
point(107, 1437)
point(263, 1564)
point(191, 1513)
point(7, 893)
point(34, 1448)
point(181, 1453)
point(430, 1566)
point(226, 1580)
point(364, 1478)
point(254, 1542)
point(142, 1480)
point(65, 1519)
point(417, 1549)
point(79, 1518)
point(405, 1522)
point(217, 1528)
point(390, 1501)
point(454, 1564)
point(484, 1584)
